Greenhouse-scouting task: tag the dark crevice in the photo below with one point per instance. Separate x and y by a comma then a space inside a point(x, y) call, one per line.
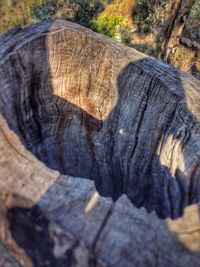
point(92, 256)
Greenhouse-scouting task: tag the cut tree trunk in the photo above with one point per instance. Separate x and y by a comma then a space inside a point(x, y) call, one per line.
point(178, 14)
point(75, 107)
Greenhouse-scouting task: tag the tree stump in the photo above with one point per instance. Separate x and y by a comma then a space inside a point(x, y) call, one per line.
point(99, 153)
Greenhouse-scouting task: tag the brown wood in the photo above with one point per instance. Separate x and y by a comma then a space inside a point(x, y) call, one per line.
point(75, 107)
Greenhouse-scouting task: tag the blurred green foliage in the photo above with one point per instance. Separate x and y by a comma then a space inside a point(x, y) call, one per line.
point(14, 12)
point(107, 25)
point(82, 11)
point(123, 34)
point(85, 12)
point(25, 12)
point(192, 29)
point(149, 15)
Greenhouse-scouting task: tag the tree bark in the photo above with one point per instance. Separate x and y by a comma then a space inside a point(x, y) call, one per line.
point(178, 14)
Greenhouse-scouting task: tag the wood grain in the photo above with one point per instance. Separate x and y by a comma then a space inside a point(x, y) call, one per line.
point(89, 107)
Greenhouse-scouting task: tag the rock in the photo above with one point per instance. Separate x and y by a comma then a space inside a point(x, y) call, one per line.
point(75, 107)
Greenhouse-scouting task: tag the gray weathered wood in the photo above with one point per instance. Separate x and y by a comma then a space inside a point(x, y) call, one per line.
point(92, 108)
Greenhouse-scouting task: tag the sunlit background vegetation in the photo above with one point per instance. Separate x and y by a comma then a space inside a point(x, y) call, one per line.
point(139, 24)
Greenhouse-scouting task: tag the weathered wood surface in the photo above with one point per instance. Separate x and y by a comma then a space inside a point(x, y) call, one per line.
point(90, 107)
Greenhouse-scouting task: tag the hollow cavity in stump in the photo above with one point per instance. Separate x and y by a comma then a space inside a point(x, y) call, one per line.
point(89, 107)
